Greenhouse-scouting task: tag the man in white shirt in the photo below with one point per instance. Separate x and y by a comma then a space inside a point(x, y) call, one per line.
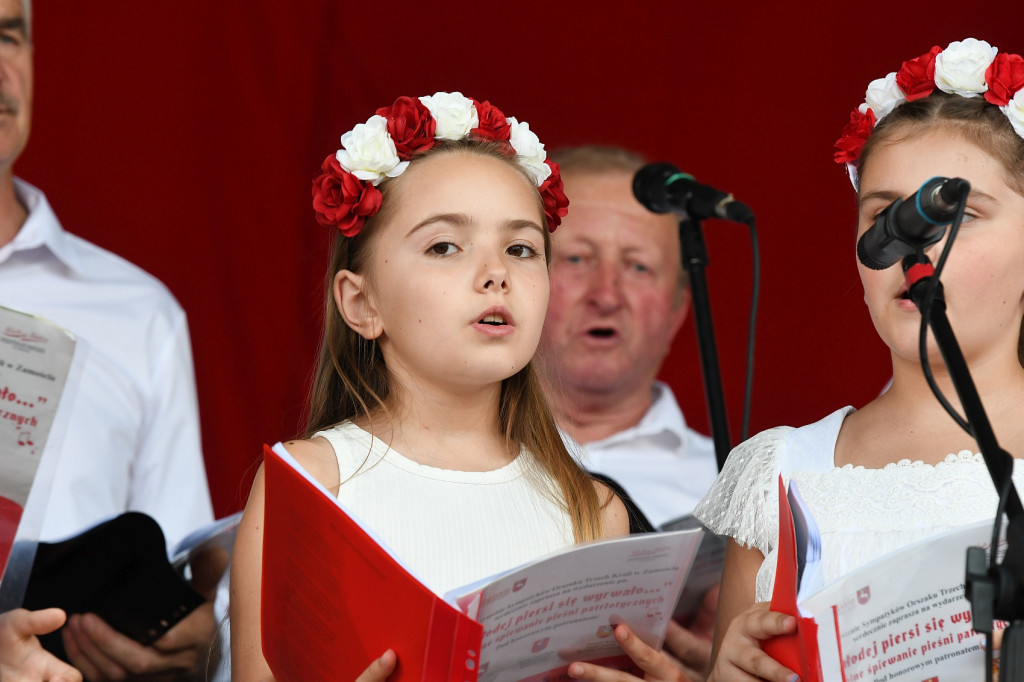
point(132, 440)
point(618, 296)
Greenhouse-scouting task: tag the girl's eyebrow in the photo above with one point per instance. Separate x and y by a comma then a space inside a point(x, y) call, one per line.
point(974, 196)
point(978, 195)
point(521, 224)
point(879, 195)
point(461, 220)
point(457, 219)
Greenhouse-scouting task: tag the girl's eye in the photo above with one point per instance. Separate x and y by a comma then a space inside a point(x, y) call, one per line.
point(878, 213)
point(442, 249)
point(521, 251)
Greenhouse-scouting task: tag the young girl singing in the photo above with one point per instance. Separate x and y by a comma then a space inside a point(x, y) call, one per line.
point(899, 469)
point(426, 417)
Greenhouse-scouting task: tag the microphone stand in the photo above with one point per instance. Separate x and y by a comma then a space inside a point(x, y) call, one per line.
point(996, 591)
point(695, 260)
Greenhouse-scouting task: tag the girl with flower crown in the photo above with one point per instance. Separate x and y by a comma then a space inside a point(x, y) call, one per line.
point(899, 469)
point(426, 417)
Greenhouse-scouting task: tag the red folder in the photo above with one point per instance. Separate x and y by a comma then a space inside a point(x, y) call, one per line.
point(334, 600)
point(797, 651)
point(10, 515)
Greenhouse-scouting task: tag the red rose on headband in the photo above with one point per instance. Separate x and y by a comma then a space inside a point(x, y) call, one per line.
point(410, 126)
point(916, 77)
point(341, 199)
point(552, 191)
point(855, 135)
point(1004, 76)
point(493, 124)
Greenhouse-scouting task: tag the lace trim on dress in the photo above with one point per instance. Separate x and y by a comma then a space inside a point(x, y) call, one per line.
point(735, 506)
point(955, 458)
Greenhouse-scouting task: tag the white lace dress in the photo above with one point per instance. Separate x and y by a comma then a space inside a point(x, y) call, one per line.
point(862, 513)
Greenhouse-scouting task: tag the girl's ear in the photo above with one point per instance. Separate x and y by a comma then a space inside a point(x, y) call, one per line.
point(354, 304)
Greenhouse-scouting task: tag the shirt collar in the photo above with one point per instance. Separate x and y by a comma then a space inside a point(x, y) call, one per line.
point(663, 419)
point(41, 228)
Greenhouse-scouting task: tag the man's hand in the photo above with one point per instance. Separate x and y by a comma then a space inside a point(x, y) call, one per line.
point(102, 653)
point(691, 645)
point(22, 658)
point(691, 652)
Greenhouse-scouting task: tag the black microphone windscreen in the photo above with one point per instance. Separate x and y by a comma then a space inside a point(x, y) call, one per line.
point(650, 186)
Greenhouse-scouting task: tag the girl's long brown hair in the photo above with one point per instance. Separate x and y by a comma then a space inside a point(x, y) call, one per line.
point(351, 379)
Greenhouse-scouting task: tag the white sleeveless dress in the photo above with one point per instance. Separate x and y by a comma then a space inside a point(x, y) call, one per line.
point(451, 527)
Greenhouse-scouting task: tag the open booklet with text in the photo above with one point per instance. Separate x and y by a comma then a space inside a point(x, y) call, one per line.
point(903, 616)
point(334, 598)
point(35, 365)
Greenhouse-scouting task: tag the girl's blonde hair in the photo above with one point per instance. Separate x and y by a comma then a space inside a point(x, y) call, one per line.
point(351, 379)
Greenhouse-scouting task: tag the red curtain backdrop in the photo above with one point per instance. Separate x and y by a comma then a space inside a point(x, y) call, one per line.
point(184, 135)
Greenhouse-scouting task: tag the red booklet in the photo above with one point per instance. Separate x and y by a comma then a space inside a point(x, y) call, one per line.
point(797, 651)
point(340, 629)
point(334, 598)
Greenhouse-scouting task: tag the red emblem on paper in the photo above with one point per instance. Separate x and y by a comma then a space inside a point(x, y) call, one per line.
point(863, 595)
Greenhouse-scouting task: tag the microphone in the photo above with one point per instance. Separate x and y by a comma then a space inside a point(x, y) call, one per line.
point(909, 225)
point(663, 188)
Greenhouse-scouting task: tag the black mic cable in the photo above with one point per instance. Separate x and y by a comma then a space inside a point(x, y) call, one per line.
point(917, 257)
point(663, 188)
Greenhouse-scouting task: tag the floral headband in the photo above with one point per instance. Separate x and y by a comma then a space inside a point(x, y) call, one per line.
point(968, 68)
point(346, 193)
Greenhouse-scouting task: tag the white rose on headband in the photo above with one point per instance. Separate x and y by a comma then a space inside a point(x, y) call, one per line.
point(884, 95)
point(960, 68)
point(1015, 112)
point(455, 114)
point(369, 152)
point(529, 150)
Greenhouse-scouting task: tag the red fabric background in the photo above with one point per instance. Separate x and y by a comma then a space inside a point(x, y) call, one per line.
point(184, 135)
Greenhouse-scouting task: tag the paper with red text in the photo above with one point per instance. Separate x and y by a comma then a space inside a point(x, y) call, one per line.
point(35, 360)
point(542, 616)
point(904, 616)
